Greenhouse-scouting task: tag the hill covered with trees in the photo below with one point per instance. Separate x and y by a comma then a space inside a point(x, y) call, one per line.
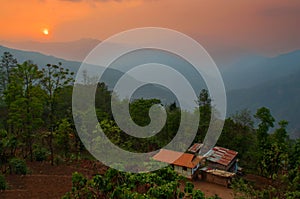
point(37, 125)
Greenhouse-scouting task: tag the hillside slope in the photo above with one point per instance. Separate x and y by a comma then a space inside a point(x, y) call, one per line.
point(255, 70)
point(281, 96)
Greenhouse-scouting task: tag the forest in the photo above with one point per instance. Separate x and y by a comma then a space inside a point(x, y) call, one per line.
point(37, 125)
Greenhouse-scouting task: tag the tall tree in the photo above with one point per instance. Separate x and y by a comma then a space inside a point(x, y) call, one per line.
point(281, 135)
point(204, 103)
point(243, 118)
point(266, 122)
point(8, 62)
point(278, 159)
point(55, 77)
point(24, 98)
point(263, 142)
point(63, 134)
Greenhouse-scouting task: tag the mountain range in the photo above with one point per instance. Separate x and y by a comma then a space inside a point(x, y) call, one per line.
point(74, 50)
point(251, 82)
point(253, 70)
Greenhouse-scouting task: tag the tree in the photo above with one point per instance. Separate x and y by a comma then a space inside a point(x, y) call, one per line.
point(238, 134)
point(279, 149)
point(243, 118)
point(280, 135)
point(24, 98)
point(55, 77)
point(139, 110)
point(295, 155)
point(273, 154)
point(263, 144)
point(63, 133)
point(204, 99)
point(266, 122)
point(8, 62)
point(8, 145)
point(204, 103)
point(102, 102)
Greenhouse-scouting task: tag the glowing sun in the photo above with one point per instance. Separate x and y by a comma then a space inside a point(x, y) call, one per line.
point(45, 31)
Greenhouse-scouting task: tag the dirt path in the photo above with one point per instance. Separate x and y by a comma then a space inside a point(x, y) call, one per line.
point(211, 189)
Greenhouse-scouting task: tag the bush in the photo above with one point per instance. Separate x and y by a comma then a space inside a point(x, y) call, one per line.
point(40, 154)
point(3, 185)
point(188, 187)
point(18, 166)
point(78, 181)
point(58, 160)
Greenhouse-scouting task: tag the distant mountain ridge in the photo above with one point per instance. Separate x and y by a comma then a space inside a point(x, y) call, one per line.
point(281, 96)
point(251, 83)
point(245, 70)
point(40, 59)
point(74, 50)
point(254, 70)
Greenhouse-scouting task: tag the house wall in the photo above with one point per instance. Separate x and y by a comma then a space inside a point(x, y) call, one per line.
point(194, 170)
point(186, 173)
point(232, 166)
point(216, 179)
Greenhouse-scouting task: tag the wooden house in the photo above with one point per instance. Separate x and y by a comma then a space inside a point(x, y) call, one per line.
point(185, 164)
point(216, 176)
point(220, 164)
point(218, 158)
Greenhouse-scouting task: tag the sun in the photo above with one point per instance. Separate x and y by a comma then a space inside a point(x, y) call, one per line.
point(45, 31)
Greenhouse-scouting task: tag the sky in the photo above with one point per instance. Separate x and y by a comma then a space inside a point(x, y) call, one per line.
point(262, 26)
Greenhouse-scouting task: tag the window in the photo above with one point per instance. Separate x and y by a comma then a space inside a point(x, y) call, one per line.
point(184, 168)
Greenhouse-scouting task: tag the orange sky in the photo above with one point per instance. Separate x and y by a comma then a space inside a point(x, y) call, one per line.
point(268, 26)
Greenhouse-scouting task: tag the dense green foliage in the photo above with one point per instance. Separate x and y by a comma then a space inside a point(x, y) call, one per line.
point(35, 113)
point(3, 184)
point(275, 157)
point(163, 183)
point(18, 166)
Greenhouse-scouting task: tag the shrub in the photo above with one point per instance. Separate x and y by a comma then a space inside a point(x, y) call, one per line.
point(197, 194)
point(188, 187)
point(116, 184)
point(3, 185)
point(40, 154)
point(78, 181)
point(18, 166)
point(58, 160)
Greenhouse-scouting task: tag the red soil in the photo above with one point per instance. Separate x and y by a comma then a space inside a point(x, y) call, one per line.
point(46, 181)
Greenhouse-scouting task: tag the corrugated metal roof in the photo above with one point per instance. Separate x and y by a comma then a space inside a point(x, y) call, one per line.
point(218, 155)
point(221, 155)
point(221, 173)
point(217, 172)
point(195, 148)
